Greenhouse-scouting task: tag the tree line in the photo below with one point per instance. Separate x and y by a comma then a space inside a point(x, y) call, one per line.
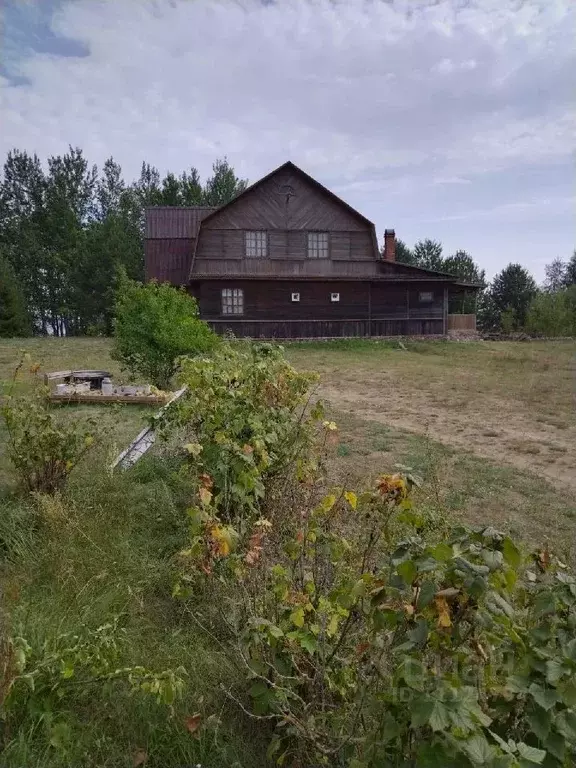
point(512, 301)
point(67, 228)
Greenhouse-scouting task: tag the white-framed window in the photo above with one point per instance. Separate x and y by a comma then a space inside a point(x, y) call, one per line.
point(425, 297)
point(232, 301)
point(334, 297)
point(256, 243)
point(295, 297)
point(317, 245)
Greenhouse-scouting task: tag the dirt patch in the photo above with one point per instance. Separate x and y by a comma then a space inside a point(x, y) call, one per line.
point(510, 403)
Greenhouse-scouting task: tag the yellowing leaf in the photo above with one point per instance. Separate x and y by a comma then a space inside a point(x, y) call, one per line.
point(297, 617)
point(194, 449)
point(205, 496)
point(444, 619)
point(88, 440)
point(332, 627)
point(351, 498)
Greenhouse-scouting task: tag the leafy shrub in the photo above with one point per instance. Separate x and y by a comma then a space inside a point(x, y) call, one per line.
point(43, 448)
point(367, 644)
point(155, 324)
point(553, 314)
point(244, 413)
point(42, 682)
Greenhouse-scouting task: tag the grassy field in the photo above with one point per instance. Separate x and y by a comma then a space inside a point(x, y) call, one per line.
point(491, 427)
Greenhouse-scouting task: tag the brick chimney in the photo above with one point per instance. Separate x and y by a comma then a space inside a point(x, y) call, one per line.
point(389, 245)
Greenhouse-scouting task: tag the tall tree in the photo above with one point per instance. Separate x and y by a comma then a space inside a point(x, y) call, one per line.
point(403, 254)
point(191, 188)
point(22, 195)
point(570, 273)
point(428, 254)
point(512, 292)
point(14, 319)
point(463, 266)
point(555, 275)
point(69, 208)
point(223, 185)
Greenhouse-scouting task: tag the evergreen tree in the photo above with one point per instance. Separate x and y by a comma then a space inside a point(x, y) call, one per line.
point(403, 254)
point(570, 272)
point(428, 254)
point(14, 320)
point(223, 185)
point(512, 292)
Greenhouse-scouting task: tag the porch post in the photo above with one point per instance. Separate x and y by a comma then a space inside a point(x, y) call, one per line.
point(369, 309)
point(445, 313)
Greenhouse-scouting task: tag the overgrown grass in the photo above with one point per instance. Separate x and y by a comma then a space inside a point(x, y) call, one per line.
point(106, 549)
point(106, 546)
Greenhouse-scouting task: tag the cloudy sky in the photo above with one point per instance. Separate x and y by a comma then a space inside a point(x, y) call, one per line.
point(450, 119)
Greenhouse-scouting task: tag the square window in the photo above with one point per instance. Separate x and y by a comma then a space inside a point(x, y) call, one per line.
point(256, 244)
point(232, 301)
point(317, 245)
point(295, 297)
point(425, 297)
point(334, 297)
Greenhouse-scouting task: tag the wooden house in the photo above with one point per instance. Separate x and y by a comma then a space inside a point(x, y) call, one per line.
point(289, 259)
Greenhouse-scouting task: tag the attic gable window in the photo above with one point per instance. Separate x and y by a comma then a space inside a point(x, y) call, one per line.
point(425, 297)
point(232, 301)
point(256, 243)
point(317, 245)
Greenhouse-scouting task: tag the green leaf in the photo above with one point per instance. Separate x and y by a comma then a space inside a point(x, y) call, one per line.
point(419, 634)
point(539, 720)
point(257, 689)
point(567, 690)
point(427, 591)
point(554, 672)
point(390, 728)
point(442, 552)
point(511, 553)
point(413, 673)
point(297, 617)
point(531, 754)
point(556, 745)
point(407, 570)
point(478, 749)
point(544, 697)
point(309, 642)
point(439, 719)
point(566, 724)
point(544, 603)
point(422, 709)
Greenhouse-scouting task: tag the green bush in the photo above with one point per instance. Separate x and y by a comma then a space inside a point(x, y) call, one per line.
point(553, 314)
point(154, 325)
point(243, 413)
point(43, 448)
point(368, 644)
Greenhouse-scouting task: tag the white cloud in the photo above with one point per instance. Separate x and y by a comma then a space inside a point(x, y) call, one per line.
point(390, 104)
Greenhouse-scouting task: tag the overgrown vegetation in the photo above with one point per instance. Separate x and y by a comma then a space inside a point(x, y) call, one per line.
point(320, 621)
point(154, 325)
point(43, 448)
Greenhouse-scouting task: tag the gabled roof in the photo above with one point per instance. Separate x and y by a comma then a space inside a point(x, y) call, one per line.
point(289, 165)
point(175, 222)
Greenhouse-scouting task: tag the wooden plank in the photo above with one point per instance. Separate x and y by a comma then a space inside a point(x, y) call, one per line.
point(87, 397)
point(144, 440)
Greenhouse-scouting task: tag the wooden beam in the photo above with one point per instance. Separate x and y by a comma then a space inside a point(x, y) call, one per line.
point(445, 313)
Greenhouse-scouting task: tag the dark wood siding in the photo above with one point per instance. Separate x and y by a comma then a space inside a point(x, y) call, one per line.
point(364, 309)
point(168, 260)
